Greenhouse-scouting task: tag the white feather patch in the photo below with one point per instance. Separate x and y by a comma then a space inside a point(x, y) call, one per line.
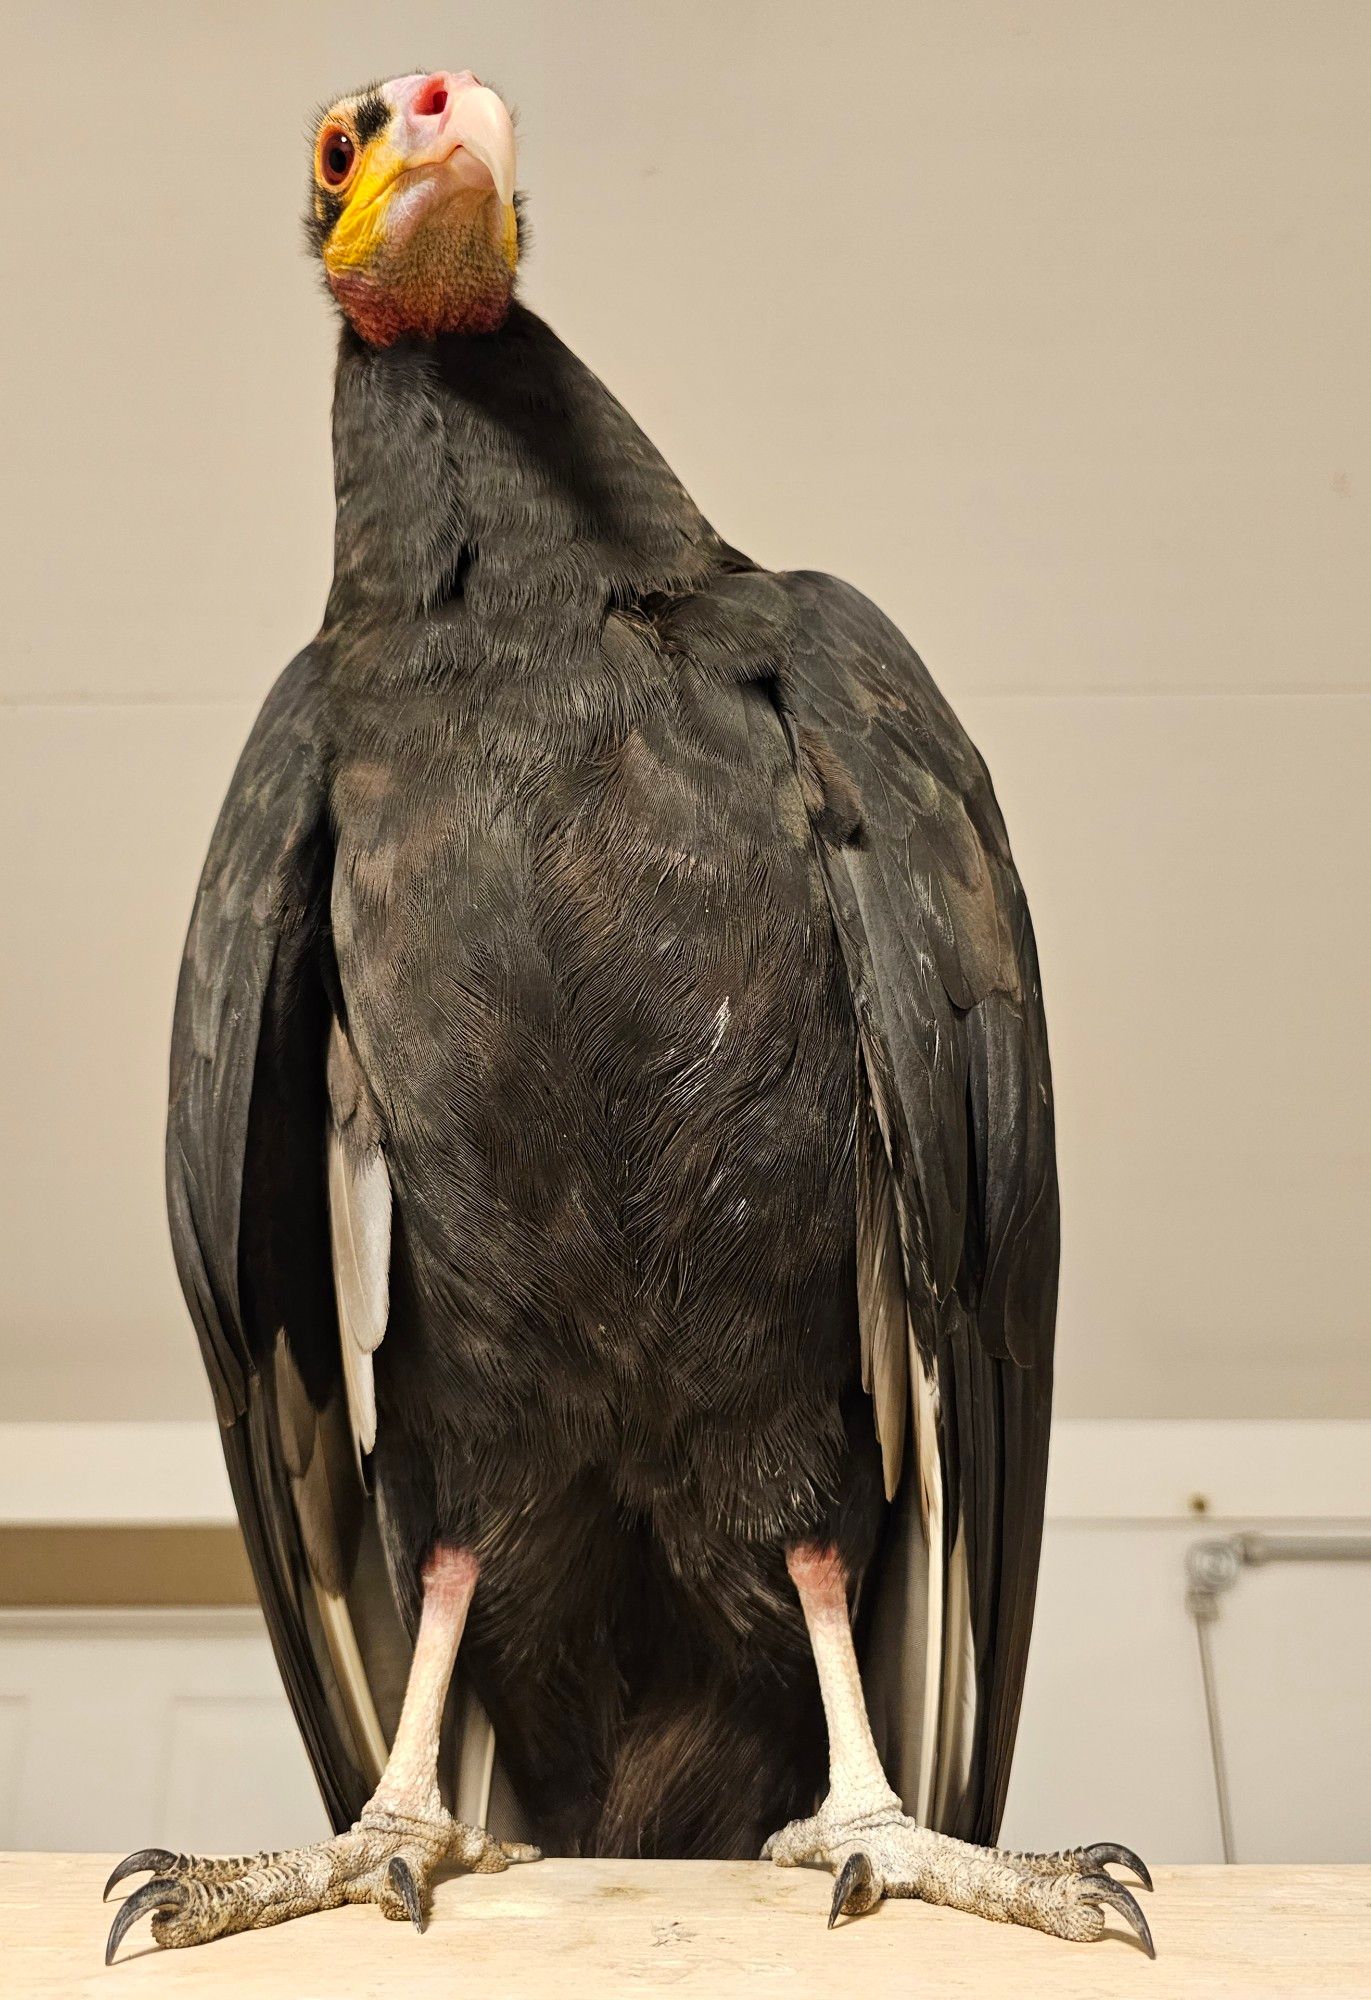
point(882, 1314)
point(352, 1680)
point(359, 1216)
point(475, 1757)
point(930, 1466)
point(957, 1728)
point(359, 1223)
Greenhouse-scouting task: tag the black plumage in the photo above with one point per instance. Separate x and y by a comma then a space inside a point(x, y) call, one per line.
point(651, 918)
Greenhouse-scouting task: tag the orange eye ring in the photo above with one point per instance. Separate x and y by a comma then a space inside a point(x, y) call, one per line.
point(336, 157)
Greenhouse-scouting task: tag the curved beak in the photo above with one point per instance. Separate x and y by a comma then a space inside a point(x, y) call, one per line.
point(439, 116)
point(485, 129)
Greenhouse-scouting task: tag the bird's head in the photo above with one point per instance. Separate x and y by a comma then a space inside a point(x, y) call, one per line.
point(412, 206)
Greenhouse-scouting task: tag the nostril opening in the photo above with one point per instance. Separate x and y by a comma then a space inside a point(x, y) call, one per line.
point(432, 99)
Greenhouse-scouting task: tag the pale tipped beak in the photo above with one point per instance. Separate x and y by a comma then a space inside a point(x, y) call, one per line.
point(481, 125)
point(442, 117)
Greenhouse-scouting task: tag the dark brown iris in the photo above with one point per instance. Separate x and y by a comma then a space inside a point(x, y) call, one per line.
point(337, 156)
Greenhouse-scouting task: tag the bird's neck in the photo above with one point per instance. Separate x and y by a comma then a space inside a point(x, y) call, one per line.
point(491, 493)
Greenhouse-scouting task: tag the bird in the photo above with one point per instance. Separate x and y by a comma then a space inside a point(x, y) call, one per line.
point(610, 1152)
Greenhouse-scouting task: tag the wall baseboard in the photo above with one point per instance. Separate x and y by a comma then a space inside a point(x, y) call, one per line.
point(122, 1563)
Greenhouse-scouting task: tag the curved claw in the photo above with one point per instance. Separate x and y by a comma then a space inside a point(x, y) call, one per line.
point(855, 1890)
point(1104, 1889)
point(158, 1895)
point(401, 1878)
point(158, 1859)
point(1110, 1850)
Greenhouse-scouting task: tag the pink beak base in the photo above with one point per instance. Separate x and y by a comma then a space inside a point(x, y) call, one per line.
point(447, 113)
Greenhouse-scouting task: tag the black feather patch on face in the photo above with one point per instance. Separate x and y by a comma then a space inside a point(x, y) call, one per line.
point(370, 116)
point(323, 216)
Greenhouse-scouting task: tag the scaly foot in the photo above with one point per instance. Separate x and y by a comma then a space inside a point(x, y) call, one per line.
point(884, 1853)
point(386, 1859)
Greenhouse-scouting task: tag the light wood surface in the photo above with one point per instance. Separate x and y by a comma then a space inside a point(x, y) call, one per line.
point(575, 1929)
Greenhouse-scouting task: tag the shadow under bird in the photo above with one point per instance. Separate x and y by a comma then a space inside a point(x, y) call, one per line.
point(610, 1158)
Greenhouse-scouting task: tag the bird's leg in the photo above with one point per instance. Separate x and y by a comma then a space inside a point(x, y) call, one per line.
point(863, 1834)
point(405, 1833)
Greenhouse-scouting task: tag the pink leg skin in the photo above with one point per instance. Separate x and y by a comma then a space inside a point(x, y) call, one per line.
point(409, 1783)
point(855, 1776)
point(863, 1834)
point(388, 1858)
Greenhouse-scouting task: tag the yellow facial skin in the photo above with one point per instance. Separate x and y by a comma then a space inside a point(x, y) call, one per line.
point(509, 237)
point(360, 229)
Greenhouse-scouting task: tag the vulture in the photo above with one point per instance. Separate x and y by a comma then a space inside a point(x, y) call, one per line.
point(610, 1156)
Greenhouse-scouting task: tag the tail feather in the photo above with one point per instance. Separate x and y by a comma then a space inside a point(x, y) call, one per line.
point(709, 1772)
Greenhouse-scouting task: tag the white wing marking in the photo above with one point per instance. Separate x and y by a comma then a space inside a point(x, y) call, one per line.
point(882, 1315)
point(930, 1467)
point(359, 1221)
point(957, 1730)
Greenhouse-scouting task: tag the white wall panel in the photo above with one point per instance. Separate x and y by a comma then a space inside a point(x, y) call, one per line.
point(149, 1728)
point(14, 1735)
point(1114, 1743)
point(1291, 1649)
point(232, 1767)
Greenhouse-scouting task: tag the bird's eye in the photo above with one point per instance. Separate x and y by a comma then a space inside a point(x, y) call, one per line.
point(337, 156)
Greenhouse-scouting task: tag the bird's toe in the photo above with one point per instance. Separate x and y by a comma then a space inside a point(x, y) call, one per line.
point(157, 1859)
point(163, 1896)
point(857, 1888)
point(1103, 1892)
point(387, 1859)
point(1110, 1850)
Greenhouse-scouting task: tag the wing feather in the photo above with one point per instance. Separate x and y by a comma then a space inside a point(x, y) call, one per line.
point(944, 977)
point(248, 1206)
point(280, 1207)
point(955, 1078)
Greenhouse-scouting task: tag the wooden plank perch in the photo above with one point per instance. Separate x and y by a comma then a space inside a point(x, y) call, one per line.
point(596, 1930)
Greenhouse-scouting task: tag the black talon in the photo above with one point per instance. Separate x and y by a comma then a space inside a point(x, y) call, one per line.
point(155, 1858)
point(1104, 1889)
point(158, 1895)
point(402, 1881)
point(854, 1879)
point(1109, 1850)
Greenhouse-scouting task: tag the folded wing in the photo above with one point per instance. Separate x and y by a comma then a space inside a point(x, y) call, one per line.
point(958, 1221)
point(253, 1141)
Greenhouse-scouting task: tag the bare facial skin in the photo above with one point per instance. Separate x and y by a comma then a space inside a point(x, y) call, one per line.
point(412, 207)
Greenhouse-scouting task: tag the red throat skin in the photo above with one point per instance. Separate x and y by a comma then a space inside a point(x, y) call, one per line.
point(446, 278)
point(382, 315)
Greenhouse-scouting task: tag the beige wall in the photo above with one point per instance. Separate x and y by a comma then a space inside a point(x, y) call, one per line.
point(1045, 323)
